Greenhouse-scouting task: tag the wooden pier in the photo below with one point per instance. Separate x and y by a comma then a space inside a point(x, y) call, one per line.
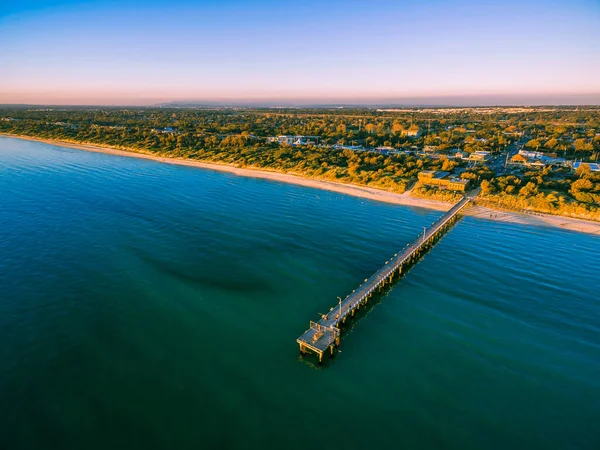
point(324, 335)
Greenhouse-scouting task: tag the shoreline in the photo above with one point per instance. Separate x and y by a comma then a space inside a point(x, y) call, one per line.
point(404, 199)
point(354, 190)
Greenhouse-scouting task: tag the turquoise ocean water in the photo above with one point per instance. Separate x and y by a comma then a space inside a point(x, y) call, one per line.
point(146, 305)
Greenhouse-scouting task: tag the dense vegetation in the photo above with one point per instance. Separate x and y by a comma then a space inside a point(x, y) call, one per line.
point(239, 137)
point(146, 133)
point(554, 192)
point(433, 193)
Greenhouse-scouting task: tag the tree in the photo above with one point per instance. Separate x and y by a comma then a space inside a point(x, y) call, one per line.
point(370, 128)
point(397, 128)
point(581, 145)
point(551, 143)
point(583, 171)
point(583, 184)
point(448, 165)
point(486, 187)
point(529, 190)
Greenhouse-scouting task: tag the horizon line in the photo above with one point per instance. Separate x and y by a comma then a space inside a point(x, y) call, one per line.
point(415, 101)
point(260, 104)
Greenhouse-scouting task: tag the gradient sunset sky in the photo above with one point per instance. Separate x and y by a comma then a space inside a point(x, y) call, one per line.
point(386, 52)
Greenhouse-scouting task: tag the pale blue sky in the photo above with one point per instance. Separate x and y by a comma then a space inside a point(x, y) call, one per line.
point(299, 51)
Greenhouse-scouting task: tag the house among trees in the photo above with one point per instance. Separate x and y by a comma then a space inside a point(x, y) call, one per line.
point(166, 130)
point(594, 167)
point(480, 156)
point(521, 158)
point(385, 150)
point(443, 180)
point(412, 132)
point(294, 140)
point(531, 154)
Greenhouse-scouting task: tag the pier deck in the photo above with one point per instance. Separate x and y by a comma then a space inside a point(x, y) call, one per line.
point(325, 333)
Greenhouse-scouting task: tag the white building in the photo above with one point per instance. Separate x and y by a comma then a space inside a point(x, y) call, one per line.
point(594, 167)
point(294, 140)
point(412, 133)
point(531, 154)
point(480, 156)
point(385, 150)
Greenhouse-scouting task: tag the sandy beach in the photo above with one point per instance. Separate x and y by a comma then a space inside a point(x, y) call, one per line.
point(406, 199)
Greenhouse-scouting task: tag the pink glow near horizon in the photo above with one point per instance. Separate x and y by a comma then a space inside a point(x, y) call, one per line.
point(432, 52)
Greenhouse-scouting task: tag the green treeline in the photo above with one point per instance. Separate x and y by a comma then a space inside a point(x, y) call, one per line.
point(568, 131)
point(390, 172)
point(547, 191)
point(239, 137)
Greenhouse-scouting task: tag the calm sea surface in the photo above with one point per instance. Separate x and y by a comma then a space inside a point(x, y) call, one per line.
point(146, 305)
